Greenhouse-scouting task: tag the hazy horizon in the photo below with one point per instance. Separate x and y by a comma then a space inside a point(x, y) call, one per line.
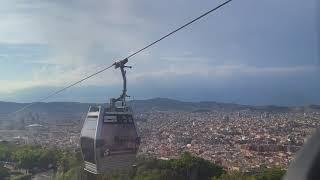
point(159, 98)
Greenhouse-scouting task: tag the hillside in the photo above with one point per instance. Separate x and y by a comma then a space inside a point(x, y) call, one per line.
point(60, 111)
point(159, 104)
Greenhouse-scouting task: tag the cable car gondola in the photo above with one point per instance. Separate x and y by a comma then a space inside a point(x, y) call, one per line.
point(109, 139)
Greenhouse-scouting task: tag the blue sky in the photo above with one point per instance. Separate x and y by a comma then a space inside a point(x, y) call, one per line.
point(248, 52)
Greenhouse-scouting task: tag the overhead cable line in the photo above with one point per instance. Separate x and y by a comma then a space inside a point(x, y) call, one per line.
point(63, 89)
point(131, 55)
point(178, 29)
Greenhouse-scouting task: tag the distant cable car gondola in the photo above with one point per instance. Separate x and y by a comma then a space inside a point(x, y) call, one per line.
point(109, 139)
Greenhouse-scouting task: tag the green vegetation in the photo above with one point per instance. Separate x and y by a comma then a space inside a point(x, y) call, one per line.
point(271, 174)
point(73, 173)
point(6, 150)
point(35, 159)
point(4, 173)
point(186, 167)
point(234, 176)
point(69, 165)
point(265, 174)
point(22, 177)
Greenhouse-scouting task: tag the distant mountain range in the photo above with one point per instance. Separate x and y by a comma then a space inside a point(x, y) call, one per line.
point(156, 104)
point(73, 113)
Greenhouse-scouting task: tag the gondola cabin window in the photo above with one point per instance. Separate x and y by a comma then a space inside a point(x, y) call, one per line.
point(119, 119)
point(87, 146)
point(129, 142)
point(92, 117)
point(110, 119)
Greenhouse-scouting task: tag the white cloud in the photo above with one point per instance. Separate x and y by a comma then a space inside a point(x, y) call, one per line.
point(71, 29)
point(57, 77)
point(222, 72)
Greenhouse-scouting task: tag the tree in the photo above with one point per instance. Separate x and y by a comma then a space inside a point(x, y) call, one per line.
point(71, 174)
point(184, 168)
point(271, 174)
point(4, 173)
point(234, 176)
point(22, 177)
point(5, 153)
point(6, 150)
point(191, 167)
point(150, 175)
point(26, 158)
point(265, 174)
point(48, 157)
point(67, 160)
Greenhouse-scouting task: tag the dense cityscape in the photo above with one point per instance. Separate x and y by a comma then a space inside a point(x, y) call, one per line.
point(240, 140)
